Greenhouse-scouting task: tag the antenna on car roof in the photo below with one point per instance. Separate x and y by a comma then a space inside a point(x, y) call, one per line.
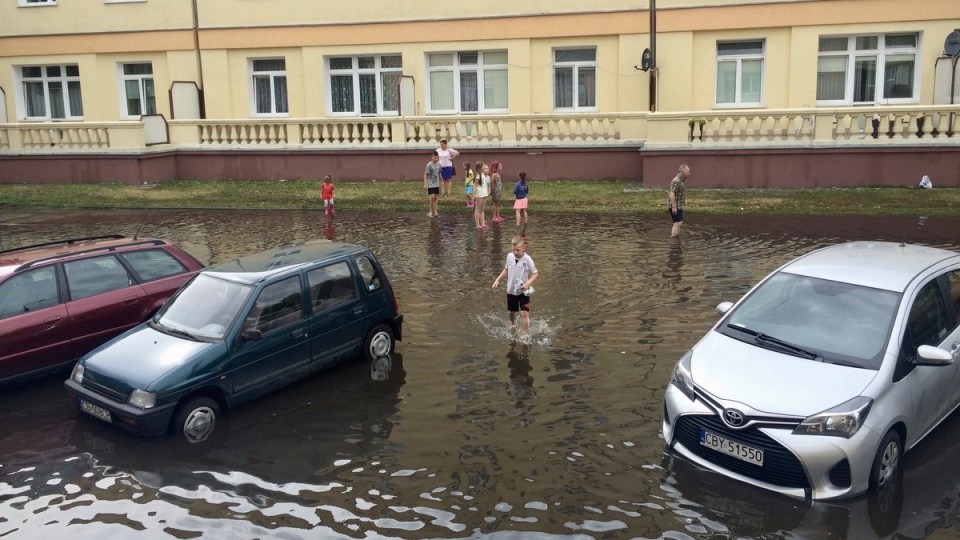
point(920, 223)
point(136, 234)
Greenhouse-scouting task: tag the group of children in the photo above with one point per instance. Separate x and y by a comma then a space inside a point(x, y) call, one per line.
point(484, 181)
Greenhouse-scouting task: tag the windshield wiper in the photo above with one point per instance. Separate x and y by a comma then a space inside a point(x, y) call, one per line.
point(176, 331)
point(770, 340)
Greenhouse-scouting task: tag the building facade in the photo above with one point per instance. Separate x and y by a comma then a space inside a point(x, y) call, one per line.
point(787, 93)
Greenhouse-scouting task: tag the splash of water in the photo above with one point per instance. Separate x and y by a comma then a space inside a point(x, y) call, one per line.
point(498, 327)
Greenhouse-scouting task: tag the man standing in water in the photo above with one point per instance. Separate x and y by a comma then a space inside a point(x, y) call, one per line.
point(677, 199)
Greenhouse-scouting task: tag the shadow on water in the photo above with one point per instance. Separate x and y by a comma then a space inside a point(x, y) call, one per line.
point(471, 429)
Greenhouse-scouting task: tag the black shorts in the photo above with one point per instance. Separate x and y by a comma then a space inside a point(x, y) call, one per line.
point(678, 217)
point(518, 302)
point(433, 191)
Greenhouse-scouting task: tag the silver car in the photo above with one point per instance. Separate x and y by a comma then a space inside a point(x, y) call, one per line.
point(819, 379)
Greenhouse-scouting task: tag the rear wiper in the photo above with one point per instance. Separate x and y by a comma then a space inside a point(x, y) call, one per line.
point(789, 347)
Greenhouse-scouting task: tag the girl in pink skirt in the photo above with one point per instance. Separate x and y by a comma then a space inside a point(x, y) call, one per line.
point(520, 190)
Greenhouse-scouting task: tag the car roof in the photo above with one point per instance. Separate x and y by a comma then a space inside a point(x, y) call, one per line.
point(252, 268)
point(881, 265)
point(12, 259)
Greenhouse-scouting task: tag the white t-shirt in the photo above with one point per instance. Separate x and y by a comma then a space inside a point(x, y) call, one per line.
point(521, 268)
point(483, 187)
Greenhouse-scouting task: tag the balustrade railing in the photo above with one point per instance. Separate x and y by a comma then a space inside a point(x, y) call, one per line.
point(755, 127)
point(911, 124)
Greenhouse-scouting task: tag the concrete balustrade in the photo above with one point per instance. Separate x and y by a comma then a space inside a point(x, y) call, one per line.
point(705, 129)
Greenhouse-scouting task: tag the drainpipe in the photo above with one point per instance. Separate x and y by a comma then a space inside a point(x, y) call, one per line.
point(196, 47)
point(653, 56)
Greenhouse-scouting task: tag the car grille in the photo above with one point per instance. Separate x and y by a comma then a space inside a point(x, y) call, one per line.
point(112, 395)
point(780, 466)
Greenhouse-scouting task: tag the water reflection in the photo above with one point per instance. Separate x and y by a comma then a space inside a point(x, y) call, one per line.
point(468, 431)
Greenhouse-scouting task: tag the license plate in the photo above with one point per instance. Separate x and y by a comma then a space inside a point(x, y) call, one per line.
point(731, 448)
point(94, 410)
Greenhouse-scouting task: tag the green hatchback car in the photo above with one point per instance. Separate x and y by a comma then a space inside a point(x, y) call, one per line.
point(236, 331)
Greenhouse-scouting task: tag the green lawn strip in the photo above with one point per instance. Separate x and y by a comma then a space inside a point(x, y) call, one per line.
point(554, 196)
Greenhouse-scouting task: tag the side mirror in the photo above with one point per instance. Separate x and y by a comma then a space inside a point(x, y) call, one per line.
point(724, 307)
point(251, 334)
point(928, 355)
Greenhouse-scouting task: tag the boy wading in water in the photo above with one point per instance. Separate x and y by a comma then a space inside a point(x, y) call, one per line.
point(521, 272)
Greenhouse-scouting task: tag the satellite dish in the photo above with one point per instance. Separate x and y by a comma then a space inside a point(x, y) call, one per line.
point(951, 47)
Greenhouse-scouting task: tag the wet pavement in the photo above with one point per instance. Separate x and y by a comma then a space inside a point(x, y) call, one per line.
point(467, 431)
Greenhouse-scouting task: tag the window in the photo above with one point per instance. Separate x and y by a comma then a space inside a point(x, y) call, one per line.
point(740, 73)
point(474, 81)
point(575, 79)
point(38, 2)
point(30, 291)
point(269, 87)
point(153, 264)
point(867, 69)
point(953, 288)
point(365, 84)
point(331, 286)
point(94, 276)
point(139, 97)
point(929, 321)
point(51, 92)
point(278, 305)
point(369, 274)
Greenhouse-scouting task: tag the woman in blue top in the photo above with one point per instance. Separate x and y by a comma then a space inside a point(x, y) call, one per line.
point(520, 190)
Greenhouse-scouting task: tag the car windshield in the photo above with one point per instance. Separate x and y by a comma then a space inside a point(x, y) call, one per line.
point(818, 319)
point(205, 308)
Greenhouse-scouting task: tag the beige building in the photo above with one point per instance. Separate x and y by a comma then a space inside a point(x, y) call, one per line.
point(762, 93)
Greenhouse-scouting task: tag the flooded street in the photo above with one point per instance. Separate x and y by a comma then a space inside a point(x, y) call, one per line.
point(467, 431)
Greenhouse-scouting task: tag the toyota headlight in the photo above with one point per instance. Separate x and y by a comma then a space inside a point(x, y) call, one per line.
point(841, 421)
point(142, 398)
point(681, 376)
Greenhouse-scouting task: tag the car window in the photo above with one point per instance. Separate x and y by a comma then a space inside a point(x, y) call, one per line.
point(953, 283)
point(151, 264)
point(929, 321)
point(96, 275)
point(278, 305)
point(369, 273)
point(29, 291)
point(331, 286)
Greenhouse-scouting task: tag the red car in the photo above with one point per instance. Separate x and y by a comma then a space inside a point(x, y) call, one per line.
point(60, 300)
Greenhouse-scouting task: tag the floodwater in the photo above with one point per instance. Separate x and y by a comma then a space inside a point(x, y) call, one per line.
point(467, 431)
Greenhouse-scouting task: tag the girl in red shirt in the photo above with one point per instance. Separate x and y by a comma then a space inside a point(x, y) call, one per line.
point(326, 194)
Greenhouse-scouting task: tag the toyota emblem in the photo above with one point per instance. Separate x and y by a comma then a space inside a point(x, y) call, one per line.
point(733, 417)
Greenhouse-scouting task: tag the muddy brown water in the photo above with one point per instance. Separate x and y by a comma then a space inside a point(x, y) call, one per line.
point(468, 431)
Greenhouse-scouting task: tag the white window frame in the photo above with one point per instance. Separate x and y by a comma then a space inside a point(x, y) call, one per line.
point(738, 59)
point(122, 1)
point(35, 3)
point(355, 72)
point(460, 66)
point(852, 54)
point(576, 66)
point(45, 79)
point(273, 76)
point(144, 88)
